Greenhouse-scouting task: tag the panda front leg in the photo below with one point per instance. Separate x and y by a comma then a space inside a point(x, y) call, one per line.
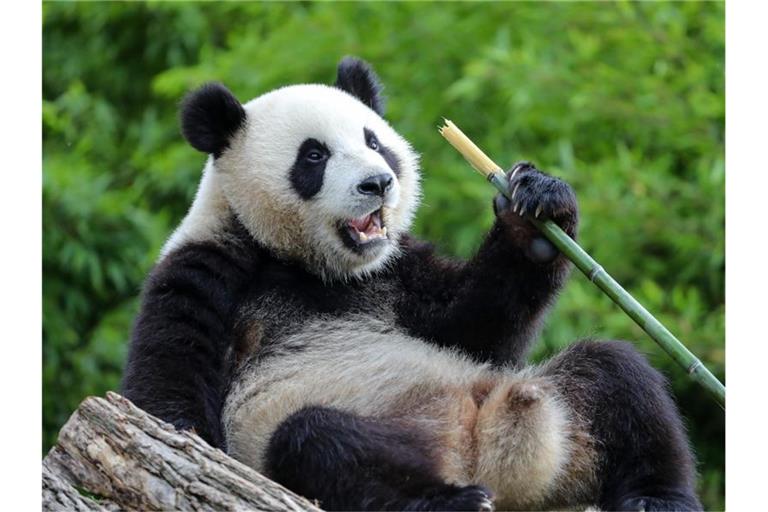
point(348, 462)
point(643, 459)
point(491, 306)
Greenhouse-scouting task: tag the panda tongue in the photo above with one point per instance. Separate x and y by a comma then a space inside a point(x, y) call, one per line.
point(361, 224)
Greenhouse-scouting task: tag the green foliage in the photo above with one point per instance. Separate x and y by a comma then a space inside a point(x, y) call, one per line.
point(623, 100)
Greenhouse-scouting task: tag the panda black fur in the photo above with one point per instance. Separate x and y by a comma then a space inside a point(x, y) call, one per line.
point(364, 370)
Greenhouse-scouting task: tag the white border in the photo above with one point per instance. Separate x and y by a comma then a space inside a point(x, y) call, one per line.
point(21, 290)
point(746, 256)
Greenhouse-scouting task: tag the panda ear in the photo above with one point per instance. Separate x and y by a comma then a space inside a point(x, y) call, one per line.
point(210, 116)
point(356, 77)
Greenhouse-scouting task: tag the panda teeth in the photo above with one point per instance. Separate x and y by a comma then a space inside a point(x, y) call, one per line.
point(368, 228)
point(374, 232)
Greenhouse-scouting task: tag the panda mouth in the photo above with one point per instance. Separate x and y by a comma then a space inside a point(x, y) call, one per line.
point(368, 228)
point(364, 231)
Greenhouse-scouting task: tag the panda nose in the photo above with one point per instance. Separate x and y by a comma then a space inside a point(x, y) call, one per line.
point(375, 185)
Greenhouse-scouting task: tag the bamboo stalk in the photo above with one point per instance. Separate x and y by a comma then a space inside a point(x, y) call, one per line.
point(594, 272)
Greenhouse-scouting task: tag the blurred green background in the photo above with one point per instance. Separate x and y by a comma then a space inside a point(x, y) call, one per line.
point(623, 100)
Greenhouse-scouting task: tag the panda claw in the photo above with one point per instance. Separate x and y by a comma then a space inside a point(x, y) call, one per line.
point(514, 191)
point(538, 211)
point(486, 505)
point(522, 211)
point(516, 169)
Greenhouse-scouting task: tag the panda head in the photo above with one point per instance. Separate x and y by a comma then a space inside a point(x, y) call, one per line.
point(312, 171)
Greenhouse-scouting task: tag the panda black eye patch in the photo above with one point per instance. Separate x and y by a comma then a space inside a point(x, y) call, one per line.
point(372, 141)
point(308, 170)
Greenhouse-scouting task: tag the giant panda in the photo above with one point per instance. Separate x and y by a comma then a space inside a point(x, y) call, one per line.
point(294, 322)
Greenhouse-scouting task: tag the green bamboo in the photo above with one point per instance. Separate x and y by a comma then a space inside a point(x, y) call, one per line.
point(595, 273)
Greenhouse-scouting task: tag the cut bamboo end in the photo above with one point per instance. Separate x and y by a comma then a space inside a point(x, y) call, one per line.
point(468, 149)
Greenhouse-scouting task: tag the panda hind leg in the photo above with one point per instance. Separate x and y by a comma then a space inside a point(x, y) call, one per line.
point(521, 439)
point(645, 460)
point(349, 462)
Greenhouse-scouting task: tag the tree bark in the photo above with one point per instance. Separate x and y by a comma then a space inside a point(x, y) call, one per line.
point(124, 458)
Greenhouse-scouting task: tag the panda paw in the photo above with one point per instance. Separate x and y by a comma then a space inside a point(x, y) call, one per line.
point(534, 194)
point(454, 498)
point(681, 503)
point(538, 195)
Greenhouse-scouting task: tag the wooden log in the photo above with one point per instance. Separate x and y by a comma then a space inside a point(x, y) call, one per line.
point(125, 458)
point(60, 495)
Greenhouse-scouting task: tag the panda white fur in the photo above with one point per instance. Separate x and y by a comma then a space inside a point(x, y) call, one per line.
point(293, 320)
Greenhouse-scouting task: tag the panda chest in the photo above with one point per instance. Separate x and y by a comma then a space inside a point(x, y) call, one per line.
point(272, 314)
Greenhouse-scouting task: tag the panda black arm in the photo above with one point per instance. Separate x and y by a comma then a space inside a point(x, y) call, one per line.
point(176, 366)
point(491, 306)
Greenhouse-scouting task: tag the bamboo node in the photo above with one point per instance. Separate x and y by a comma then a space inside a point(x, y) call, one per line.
point(694, 366)
point(596, 270)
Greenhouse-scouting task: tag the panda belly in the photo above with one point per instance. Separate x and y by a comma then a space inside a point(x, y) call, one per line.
point(505, 430)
